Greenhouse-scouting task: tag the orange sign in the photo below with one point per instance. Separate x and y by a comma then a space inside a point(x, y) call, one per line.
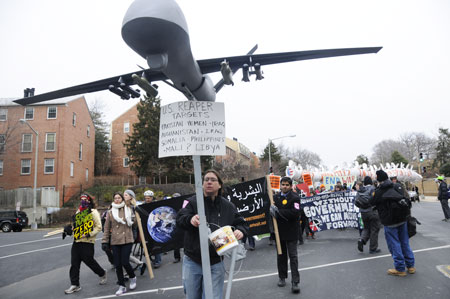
point(307, 179)
point(275, 181)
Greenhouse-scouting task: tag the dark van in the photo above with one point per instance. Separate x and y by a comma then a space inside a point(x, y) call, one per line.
point(13, 220)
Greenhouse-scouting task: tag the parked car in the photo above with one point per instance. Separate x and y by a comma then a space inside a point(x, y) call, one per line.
point(13, 220)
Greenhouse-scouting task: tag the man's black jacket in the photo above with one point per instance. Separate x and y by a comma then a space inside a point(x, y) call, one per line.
point(382, 205)
point(219, 213)
point(289, 210)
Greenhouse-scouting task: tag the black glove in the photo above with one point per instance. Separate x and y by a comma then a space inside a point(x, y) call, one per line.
point(274, 211)
point(105, 246)
point(68, 230)
point(64, 235)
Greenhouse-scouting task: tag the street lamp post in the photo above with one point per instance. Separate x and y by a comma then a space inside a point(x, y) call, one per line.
point(33, 223)
point(270, 147)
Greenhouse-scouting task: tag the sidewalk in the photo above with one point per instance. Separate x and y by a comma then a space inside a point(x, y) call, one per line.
point(429, 198)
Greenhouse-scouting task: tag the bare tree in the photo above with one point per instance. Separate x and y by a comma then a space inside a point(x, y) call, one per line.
point(417, 142)
point(304, 157)
point(382, 151)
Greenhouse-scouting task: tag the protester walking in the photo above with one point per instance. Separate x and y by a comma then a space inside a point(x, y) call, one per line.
point(369, 215)
point(394, 209)
point(443, 198)
point(286, 210)
point(119, 235)
point(83, 245)
point(219, 212)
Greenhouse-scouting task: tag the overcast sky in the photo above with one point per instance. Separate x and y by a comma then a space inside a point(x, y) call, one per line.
point(337, 107)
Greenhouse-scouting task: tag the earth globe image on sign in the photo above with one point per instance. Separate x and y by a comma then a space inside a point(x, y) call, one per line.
point(161, 224)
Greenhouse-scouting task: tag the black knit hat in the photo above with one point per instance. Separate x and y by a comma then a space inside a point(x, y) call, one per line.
point(368, 181)
point(381, 176)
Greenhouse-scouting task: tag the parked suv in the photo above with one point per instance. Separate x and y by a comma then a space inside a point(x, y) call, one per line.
point(13, 220)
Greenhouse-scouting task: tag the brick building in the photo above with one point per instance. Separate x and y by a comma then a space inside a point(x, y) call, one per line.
point(236, 152)
point(121, 128)
point(66, 145)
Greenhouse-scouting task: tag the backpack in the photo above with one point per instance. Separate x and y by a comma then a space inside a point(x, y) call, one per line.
point(397, 205)
point(363, 197)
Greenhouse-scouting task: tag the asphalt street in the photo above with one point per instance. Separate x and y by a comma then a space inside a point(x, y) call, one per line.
point(330, 267)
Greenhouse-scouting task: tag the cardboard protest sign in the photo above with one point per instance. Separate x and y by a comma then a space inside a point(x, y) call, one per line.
point(190, 128)
point(83, 224)
point(275, 181)
point(331, 210)
point(308, 180)
point(330, 181)
point(302, 190)
point(252, 202)
point(158, 219)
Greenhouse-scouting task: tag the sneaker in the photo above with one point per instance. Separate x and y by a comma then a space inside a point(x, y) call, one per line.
point(103, 279)
point(72, 289)
point(360, 245)
point(295, 288)
point(281, 282)
point(375, 251)
point(132, 283)
point(251, 248)
point(396, 273)
point(156, 265)
point(177, 260)
point(411, 270)
point(122, 290)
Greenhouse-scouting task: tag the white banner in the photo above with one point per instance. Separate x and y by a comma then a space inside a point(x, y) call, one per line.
point(192, 128)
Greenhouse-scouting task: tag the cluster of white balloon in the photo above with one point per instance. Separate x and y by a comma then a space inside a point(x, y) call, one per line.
point(402, 172)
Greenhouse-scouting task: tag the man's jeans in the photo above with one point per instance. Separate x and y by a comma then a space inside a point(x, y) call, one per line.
point(193, 279)
point(398, 243)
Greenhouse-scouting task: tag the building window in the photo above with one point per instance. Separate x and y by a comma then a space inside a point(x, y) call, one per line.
point(49, 188)
point(29, 113)
point(50, 141)
point(51, 112)
point(25, 166)
point(27, 143)
point(49, 166)
point(87, 175)
point(71, 169)
point(80, 152)
point(1, 167)
point(74, 119)
point(88, 131)
point(126, 161)
point(126, 127)
point(2, 142)
point(3, 114)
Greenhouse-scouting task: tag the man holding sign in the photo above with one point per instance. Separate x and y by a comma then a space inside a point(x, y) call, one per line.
point(286, 210)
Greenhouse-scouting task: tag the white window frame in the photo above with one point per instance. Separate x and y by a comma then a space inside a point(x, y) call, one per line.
point(3, 114)
point(46, 161)
point(25, 113)
point(126, 162)
point(22, 166)
point(1, 167)
point(88, 131)
point(48, 112)
point(52, 188)
point(80, 152)
point(87, 174)
point(72, 166)
point(74, 119)
point(46, 142)
point(126, 127)
point(23, 143)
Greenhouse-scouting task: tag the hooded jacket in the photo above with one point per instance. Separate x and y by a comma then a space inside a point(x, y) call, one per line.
point(219, 212)
point(381, 203)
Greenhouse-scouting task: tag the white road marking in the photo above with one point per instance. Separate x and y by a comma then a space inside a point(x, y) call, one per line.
point(37, 250)
point(162, 290)
point(444, 269)
point(29, 242)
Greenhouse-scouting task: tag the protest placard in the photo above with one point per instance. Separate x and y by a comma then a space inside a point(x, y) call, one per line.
point(275, 182)
point(83, 224)
point(331, 210)
point(252, 202)
point(190, 128)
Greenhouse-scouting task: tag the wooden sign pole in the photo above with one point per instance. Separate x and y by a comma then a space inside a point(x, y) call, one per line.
point(275, 223)
point(144, 244)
